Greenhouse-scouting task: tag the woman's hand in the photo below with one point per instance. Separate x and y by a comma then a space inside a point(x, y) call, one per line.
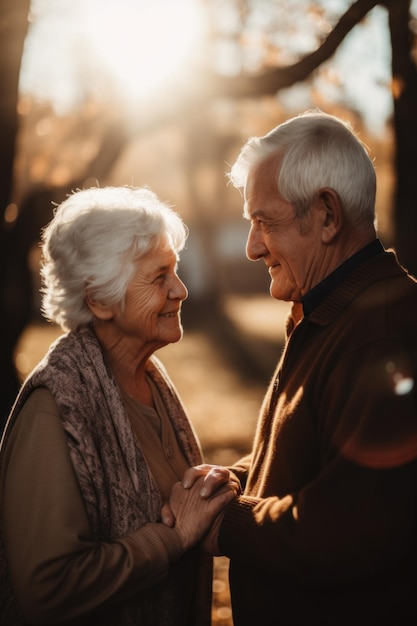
point(192, 514)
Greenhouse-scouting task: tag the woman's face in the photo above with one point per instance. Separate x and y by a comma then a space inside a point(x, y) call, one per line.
point(151, 316)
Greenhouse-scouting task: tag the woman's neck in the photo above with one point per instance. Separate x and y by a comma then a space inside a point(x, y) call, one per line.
point(128, 365)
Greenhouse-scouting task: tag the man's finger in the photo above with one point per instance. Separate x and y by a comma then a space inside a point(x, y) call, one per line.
point(167, 515)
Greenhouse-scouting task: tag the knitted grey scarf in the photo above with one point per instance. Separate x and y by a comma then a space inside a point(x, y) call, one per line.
point(118, 489)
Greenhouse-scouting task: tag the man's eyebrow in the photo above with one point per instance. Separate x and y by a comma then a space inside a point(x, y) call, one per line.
point(256, 214)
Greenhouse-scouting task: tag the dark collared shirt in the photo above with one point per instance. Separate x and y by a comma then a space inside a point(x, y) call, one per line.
point(316, 295)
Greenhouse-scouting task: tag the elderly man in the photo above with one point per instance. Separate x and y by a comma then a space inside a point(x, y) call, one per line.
point(325, 530)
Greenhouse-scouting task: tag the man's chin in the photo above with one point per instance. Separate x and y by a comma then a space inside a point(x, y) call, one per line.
point(279, 293)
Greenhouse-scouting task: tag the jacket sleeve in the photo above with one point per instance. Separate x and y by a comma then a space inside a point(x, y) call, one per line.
point(58, 572)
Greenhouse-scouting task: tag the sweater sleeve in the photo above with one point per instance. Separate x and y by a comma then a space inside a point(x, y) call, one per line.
point(240, 469)
point(57, 570)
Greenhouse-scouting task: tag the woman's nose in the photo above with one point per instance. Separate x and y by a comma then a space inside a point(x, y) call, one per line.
point(179, 290)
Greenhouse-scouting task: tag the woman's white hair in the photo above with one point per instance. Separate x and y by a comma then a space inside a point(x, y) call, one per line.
point(92, 245)
point(319, 150)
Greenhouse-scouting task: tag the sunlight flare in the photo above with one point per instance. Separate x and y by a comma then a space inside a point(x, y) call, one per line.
point(143, 45)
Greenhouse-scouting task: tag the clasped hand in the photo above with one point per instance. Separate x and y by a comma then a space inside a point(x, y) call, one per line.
point(197, 501)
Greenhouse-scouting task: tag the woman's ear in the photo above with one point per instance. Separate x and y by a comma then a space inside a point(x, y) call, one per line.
point(332, 214)
point(100, 310)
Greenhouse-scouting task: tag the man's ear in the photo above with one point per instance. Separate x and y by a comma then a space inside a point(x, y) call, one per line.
point(100, 310)
point(331, 209)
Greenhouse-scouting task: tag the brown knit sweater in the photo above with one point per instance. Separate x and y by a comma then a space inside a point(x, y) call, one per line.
point(326, 531)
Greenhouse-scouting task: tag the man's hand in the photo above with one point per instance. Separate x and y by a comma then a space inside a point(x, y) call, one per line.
point(214, 477)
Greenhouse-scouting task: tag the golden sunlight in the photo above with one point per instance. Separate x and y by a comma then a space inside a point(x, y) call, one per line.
point(142, 45)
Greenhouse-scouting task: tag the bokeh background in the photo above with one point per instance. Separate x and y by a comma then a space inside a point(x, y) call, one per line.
point(164, 94)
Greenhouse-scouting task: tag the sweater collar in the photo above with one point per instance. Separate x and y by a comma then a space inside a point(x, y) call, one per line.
point(366, 273)
point(321, 291)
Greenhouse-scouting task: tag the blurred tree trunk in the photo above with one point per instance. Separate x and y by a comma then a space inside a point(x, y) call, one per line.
point(15, 299)
point(404, 86)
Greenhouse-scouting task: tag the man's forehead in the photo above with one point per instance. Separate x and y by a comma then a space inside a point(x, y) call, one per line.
point(262, 179)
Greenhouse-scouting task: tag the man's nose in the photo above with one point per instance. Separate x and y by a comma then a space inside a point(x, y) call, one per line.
point(255, 246)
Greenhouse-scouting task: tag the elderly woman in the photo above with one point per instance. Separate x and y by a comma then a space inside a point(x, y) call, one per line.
point(98, 436)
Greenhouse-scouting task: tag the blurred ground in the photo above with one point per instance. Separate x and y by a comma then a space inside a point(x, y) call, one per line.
point(220, 368)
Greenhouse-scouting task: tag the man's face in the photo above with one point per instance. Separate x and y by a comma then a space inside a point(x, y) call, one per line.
point(291, 249)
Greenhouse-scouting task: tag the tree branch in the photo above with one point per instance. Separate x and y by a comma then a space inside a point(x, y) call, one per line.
point(272, 81)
